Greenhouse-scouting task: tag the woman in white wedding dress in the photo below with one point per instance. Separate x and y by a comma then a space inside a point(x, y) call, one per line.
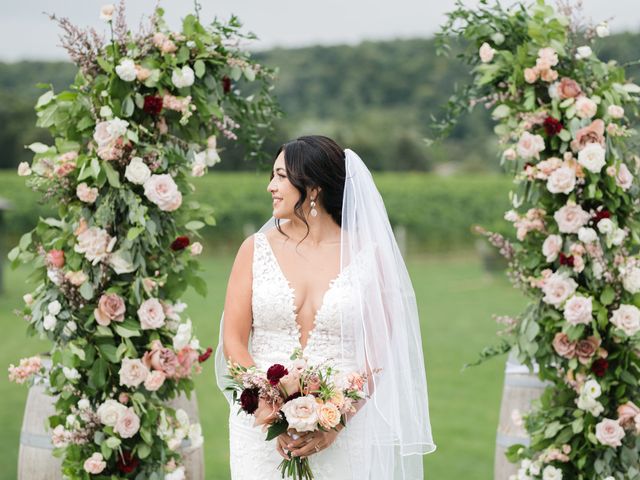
point(324, 275)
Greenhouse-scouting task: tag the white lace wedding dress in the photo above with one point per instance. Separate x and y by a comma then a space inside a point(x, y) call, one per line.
point(275, 334)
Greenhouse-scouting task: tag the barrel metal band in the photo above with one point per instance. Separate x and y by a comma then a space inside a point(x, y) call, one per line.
point(507, 440)
point(526, 382)
point(34, 440)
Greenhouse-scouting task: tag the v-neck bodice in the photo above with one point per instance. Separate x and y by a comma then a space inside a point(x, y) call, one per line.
point(275, 330)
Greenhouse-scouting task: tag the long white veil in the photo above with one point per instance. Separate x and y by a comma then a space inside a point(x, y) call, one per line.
point(393, 427)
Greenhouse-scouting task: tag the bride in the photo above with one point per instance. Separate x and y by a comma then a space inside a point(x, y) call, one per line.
point(325, 275)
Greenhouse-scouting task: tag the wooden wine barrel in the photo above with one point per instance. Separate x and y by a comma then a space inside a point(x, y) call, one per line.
point(35, 459)
point(521, 387)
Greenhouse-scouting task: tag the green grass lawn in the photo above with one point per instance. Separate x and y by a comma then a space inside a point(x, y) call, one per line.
point(456, 299)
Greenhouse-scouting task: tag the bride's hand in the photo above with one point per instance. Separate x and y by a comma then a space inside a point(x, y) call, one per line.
point(307, 444)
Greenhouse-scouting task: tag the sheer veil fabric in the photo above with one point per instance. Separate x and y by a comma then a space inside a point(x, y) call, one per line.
point(393, 427)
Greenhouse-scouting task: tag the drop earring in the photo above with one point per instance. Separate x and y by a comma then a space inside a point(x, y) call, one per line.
point(314, 212)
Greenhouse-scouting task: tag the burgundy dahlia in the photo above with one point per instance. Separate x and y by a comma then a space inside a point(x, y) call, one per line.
point(152, 104)
point(275, 373)
point(180, 243)
point(552, 126)
point(127, 463)
point(226, 84)
point(566, 259)
point(205, 355)
point(249, 399)
point(600, 367)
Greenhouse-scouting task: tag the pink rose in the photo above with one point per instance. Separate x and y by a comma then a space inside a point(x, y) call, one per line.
point(356, 381)
point(266, 413)
point(128, 424)
point(95, 243)
point(552, 247)
point(585, 349)
point(563, 346)
point(291, 383)
point(163, 191)
point(593, 133)
point(161, 359)
point(86, 194)
point(186, 357)
point(585, 107)
point(562, 180)
point(624, 178)
point(578, 310)
point(568, 88)
point(548, 56)
point(530, 146)
point(142, 73)
point(55, 258)
point(610, 433)
point(530, 75)
point(570, 218)
point(95, 464)
point(557, 288)
point(548, 75)
point(151, 314)
point(111, 307)
point(132, 372)
point(154, 380)
point(626, 414)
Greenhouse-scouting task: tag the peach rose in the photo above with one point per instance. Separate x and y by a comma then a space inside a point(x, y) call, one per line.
point(563, 346)
point(111, 307)
point(593, 133)
point(154, 380)
point(328, 415)
point(266, 413)
point(585, 349)
point(76, 278)
point(548, 56)
point(568, 88)
point(530, 75)
point(55, 258)
point(86, 194)
point(291, 383)
point(548, 75)
point(585, 107)
point(142, 73)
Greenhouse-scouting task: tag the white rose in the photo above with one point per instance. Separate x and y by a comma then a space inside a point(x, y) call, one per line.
point(106, 12)
point(592, 157)
point(199, 165)
point(585, 107)
point(212, 157)
point(103, 135)
point(609, 432)
point(583, 52)
point(83, 404)
point(95, 243)
point(486, 53)
point(212, 142)
point(498, 38)
point(132, 372)
point(126, 70)
point(54, 307)
point(509, 154)
point(602, 30)
point(120, 262)
point(177, 474)
point(587, 235)
point(105, 112)
point(589, 404)
point(624, 178)
point(163, 191)
point(618, 237)
point(615, 111)
point(553, 91)
point(591, 389)
point(128, 424)
point(627, 319)
point(49, 322)
point(70, 327)
point(28, 299)
point(195, 435)
point(551, 473)
point(151, 314)
point(578, 310)
point(530, 146)
point(54, 275)
point(551, 247)
point(110, 411)
point(302, 413)
point(117, 127)
point(24, 170)
point(606, 226)
point(85, 193)
point(70, 373)
point(195, 248)
point(562, 180)
point(631, 280)
point(557, 288)
point(183, 77)
point(183, 335)
point(137, 171)
point(570, 218)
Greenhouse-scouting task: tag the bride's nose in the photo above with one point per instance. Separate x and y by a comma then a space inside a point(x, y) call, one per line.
point(271, 187)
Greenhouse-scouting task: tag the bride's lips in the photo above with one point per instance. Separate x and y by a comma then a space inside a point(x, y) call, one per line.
point(276, 201)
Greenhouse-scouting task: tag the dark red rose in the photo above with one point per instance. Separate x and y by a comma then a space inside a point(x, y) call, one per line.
point(205, 355)
point(152, 104)
point(180, 243)
point(226, 84)
point(552, 126)
point(127, 463)
point(604, 213)
point(275, 373)
point(566, 259)
point(249, 399)
point(600, 367)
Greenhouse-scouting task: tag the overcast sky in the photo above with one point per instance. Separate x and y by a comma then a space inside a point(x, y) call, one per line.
point(25, 33)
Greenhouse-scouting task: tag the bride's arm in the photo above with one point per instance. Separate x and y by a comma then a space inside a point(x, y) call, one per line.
point(237, 307)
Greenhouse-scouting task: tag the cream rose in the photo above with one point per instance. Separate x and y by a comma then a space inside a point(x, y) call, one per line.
point(137, 171)
point(128, 424)
point(570, 218)
point(486, 53)
point(578, 310)
point(95, 243)
point(195, 248)
point(110, 411)
point(551, 473)
point(587, 235)
point(631, 280)
point(552, 247)
point(562, 180)
point(610, 433)
point(624, 178)
point(111, 307)
point(557, 288)
point(154, 380)
point(151, 314)
point(163, 191)
point(95, 464)
point(627, 319)
point(530, 146)
point(615, 111)
point(23, 169)
point(302, 413)
point(592, 157)
point(126, 70)
point(585, 107)
point(183, 77)
point(606, 226)
point(133, 372)
point(86, 194)
point(328, 415)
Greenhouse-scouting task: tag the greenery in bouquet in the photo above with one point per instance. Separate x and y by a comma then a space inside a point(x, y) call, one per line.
point(140, 120)
point(563, 118)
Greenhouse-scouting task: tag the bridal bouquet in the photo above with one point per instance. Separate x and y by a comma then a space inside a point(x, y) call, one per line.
point(298, 396)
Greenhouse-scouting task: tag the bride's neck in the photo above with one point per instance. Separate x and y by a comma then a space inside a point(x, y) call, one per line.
point(322, 230)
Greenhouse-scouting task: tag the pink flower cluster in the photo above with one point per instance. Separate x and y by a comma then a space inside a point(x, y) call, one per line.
point(547, 58)
point(27, 368)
